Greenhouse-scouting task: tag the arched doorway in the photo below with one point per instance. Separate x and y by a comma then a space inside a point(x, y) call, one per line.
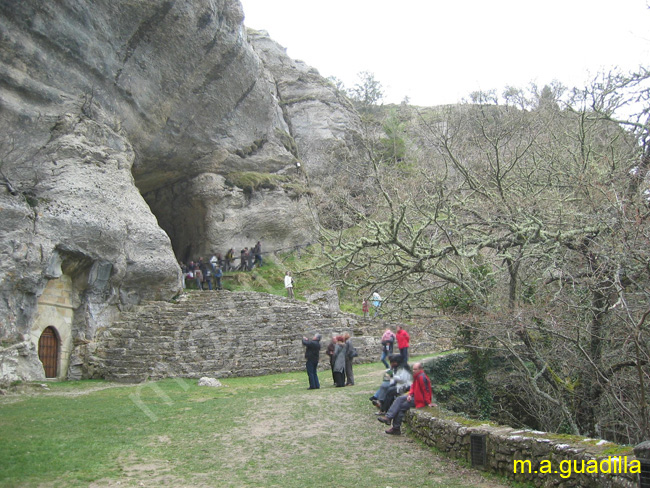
point(48, 352)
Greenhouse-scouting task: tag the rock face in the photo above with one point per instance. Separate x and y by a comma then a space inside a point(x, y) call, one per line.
point(137, 134)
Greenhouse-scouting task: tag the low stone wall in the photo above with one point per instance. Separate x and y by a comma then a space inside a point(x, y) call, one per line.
point(546, 459)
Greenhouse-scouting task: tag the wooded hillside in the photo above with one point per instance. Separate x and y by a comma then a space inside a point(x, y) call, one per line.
point(525, 216)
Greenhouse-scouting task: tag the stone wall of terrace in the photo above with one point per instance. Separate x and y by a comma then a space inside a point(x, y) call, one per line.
point(543, 459)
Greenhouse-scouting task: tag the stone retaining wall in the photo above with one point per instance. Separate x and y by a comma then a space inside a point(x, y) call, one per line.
point(546, 452)
point(222, 334)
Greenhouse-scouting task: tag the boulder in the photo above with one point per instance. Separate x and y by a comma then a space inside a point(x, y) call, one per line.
point(211, 382)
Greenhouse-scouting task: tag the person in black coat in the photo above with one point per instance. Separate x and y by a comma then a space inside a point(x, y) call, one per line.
point(312, 353)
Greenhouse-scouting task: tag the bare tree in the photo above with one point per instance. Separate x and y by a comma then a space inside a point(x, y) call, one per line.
point(526, 217)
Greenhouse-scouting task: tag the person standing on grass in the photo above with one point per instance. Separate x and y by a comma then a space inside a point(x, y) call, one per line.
point(330, 352)
point(251, 259)
point(312, 352)
point(419, 396)
point(243, 257)
point(339, 362)
point(403, 340)
point(350, 354)
point(288, 284)
point(258, 254)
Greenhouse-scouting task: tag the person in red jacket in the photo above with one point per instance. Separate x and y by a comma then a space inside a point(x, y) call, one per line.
point(419, 396)
point(403, 339)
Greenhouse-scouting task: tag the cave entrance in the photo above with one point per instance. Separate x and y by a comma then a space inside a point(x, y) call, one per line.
point(183, 214)
point(48, 352)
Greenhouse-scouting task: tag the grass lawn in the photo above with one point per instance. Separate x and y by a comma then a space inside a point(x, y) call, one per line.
point(252, 432)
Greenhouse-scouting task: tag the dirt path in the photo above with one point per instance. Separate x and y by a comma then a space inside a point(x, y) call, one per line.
point(336, 411)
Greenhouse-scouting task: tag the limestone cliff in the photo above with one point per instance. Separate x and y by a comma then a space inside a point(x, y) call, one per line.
point(129, 133)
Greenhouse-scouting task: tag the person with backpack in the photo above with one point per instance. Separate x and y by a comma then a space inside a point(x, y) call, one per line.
point(387, 341)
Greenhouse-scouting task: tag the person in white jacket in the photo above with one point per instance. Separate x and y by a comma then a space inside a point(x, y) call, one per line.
point(400, 382)
point(288, 284)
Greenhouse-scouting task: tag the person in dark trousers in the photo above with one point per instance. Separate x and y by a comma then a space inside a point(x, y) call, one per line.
point(387, 341)
point(206, 272)
point(230, 258)
point(419, 396)
point(330, 352)
point(250, 260)
point(399, 383)
point(218, 274)
point(312, 352)
point(403, 340)
point(243, 258)
point(258, 254)
point(339, 362)
point(350, 352)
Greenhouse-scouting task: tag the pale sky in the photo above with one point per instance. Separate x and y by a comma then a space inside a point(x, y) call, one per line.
point(439, 51)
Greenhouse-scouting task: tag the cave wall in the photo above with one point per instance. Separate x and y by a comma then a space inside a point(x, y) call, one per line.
point(123, 127)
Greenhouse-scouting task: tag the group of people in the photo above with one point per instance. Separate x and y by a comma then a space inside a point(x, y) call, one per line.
point(341, 353)
point(402, 387)
point(208, 274)
point(388, 340)
point(375, 300)
point(248, 258)
point(204, 275)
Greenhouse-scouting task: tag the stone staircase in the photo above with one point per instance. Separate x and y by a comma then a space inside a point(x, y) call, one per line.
point(220, 334)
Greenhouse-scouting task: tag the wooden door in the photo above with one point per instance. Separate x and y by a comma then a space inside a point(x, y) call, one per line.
point(48, 352)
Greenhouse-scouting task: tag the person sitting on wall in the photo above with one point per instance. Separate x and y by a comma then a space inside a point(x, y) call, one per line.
point(398, 384)
point(380, 394)
point(419, 396)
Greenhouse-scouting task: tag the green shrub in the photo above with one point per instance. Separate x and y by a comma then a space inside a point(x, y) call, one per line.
point(250, 181)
